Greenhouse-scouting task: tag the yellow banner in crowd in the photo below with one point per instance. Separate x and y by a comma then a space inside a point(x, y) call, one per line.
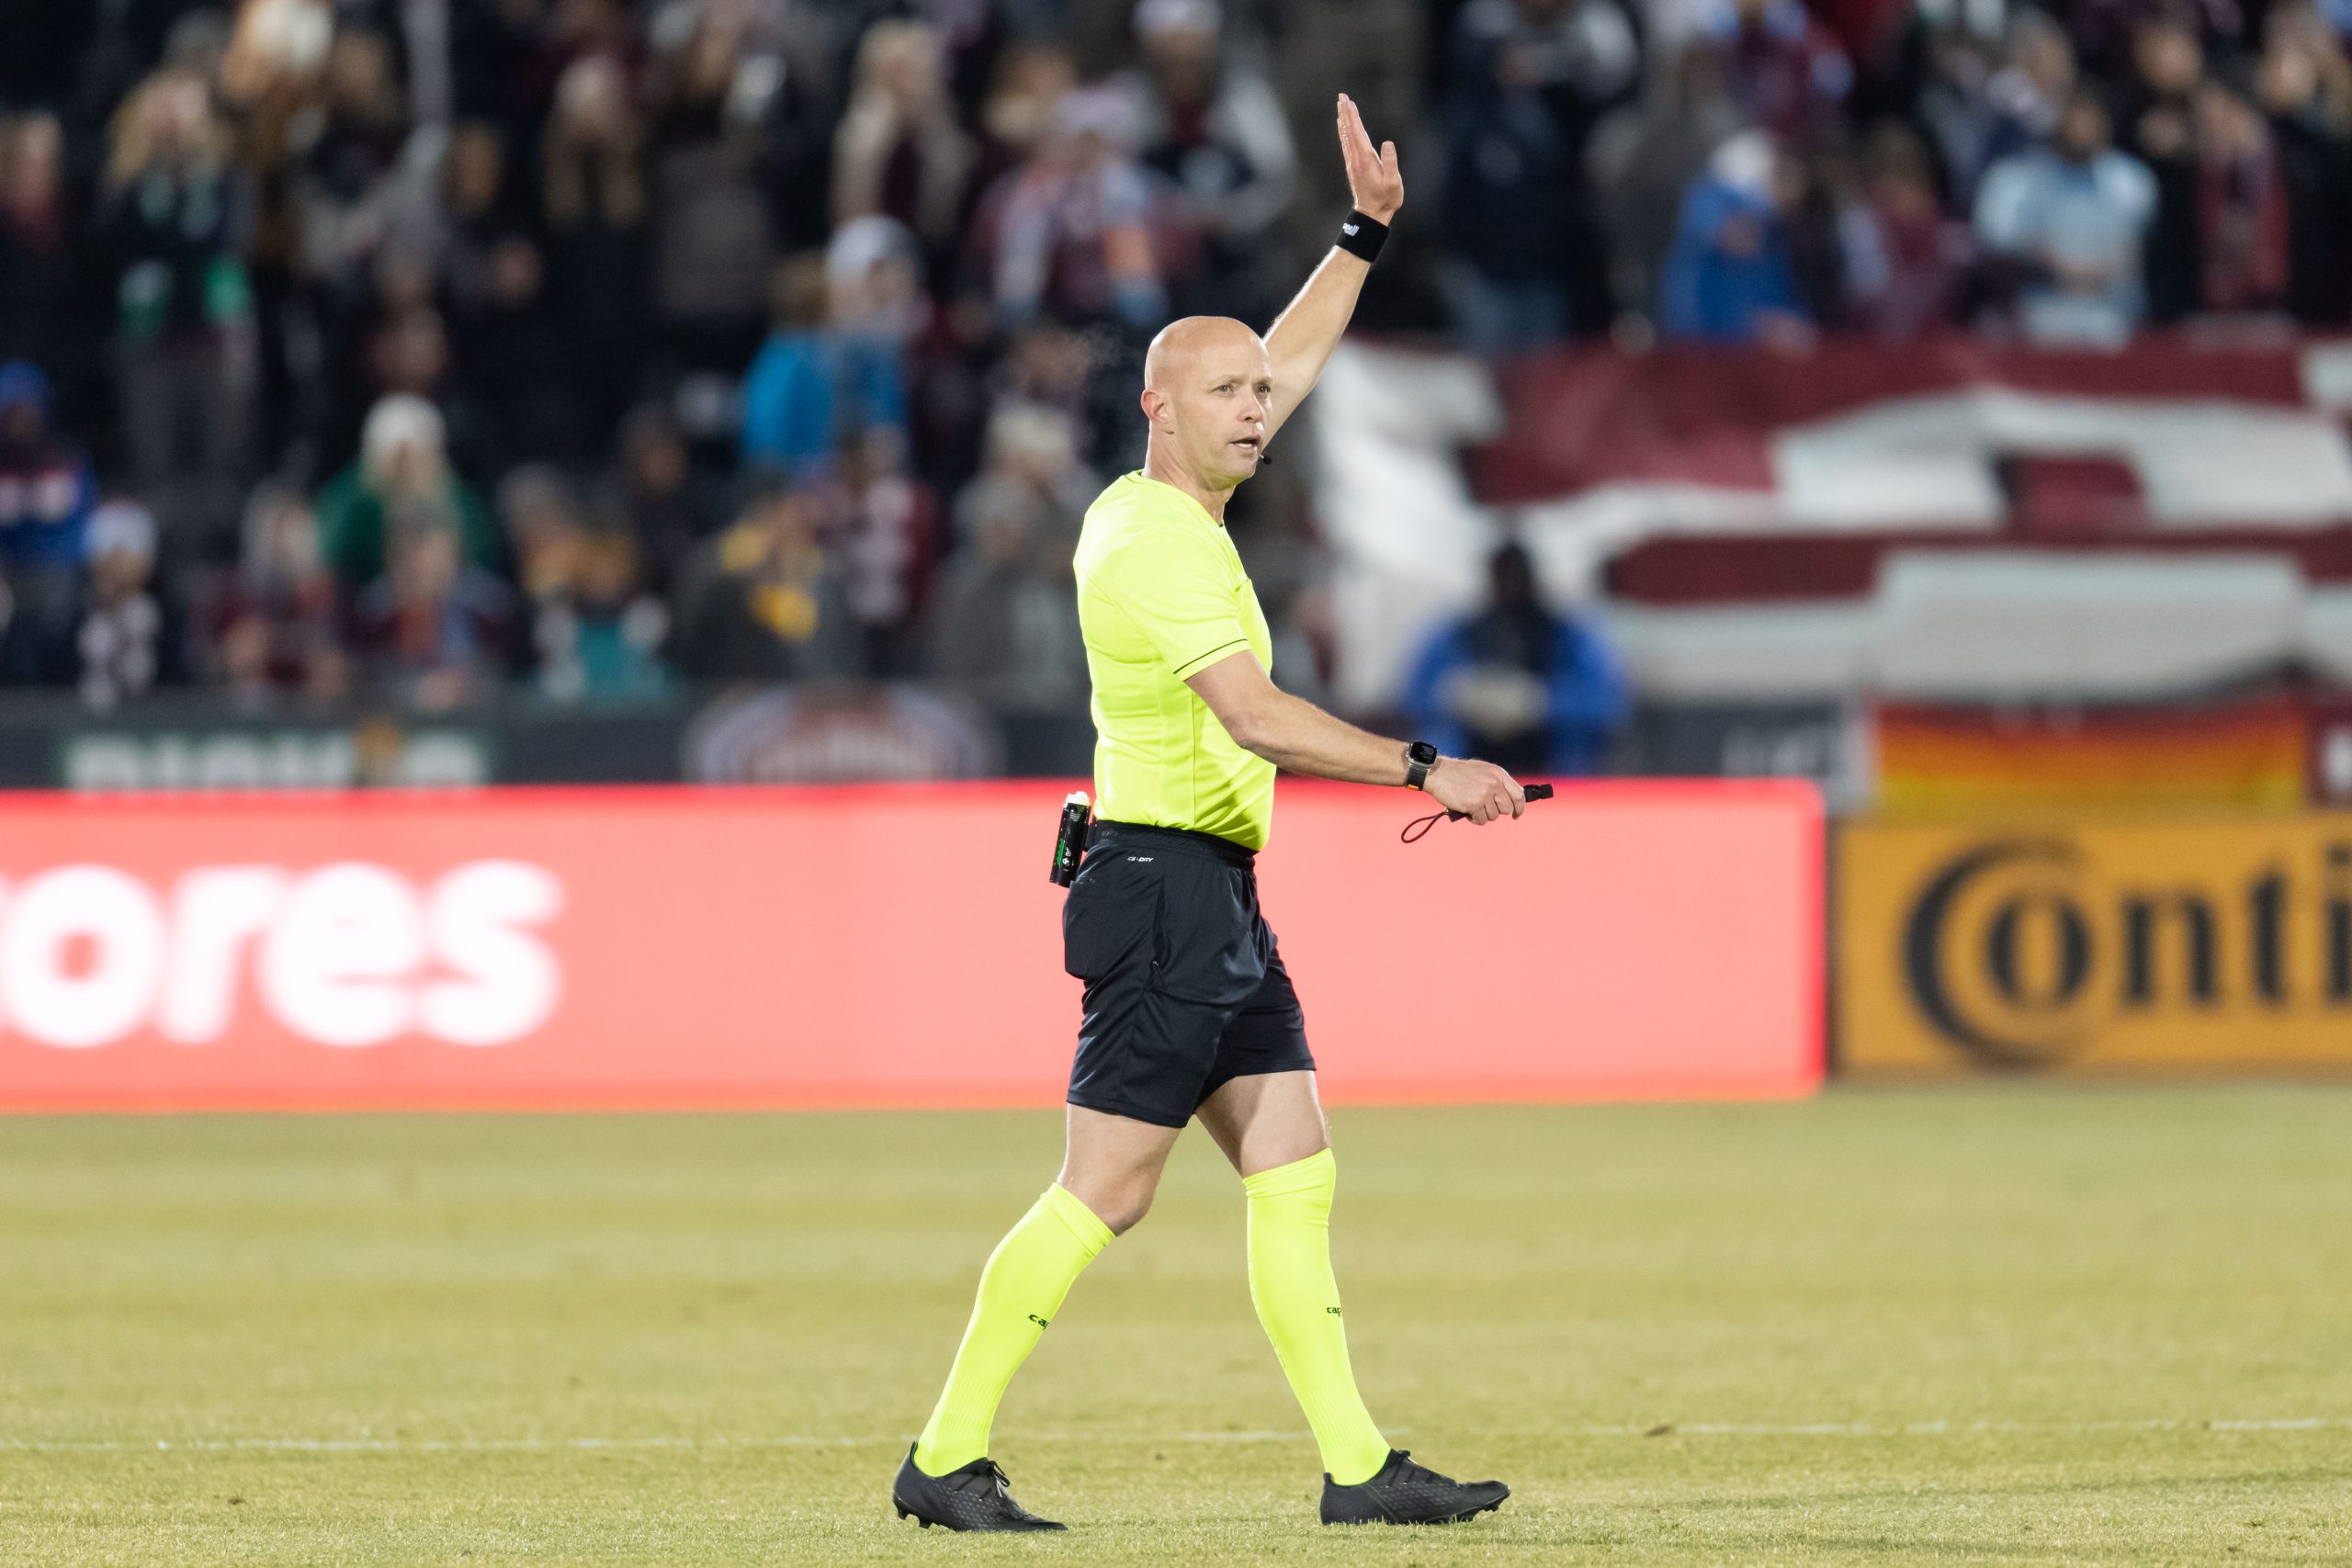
point(2181, 945)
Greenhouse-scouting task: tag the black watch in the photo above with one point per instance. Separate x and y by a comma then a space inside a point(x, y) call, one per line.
point(1419, 758)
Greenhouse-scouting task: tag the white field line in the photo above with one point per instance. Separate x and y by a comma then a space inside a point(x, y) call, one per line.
point(806, 1441)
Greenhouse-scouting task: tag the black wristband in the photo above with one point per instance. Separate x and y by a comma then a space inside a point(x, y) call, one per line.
point(1362, 236)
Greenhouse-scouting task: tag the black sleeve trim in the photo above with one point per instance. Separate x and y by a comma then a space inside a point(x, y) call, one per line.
point(1192, 666)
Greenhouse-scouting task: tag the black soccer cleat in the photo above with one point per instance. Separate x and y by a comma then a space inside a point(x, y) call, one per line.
point(1404, 1492)
point(976, 1497)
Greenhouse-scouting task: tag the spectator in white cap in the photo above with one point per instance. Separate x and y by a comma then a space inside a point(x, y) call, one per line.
point(126, 643)
point(1213, 126)
point(874, 269)
point(403, 460)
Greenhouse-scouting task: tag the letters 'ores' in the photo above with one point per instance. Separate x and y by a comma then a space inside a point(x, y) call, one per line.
point(346, 954)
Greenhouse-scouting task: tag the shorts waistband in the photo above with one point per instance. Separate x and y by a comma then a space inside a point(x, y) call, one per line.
point(1114, 835)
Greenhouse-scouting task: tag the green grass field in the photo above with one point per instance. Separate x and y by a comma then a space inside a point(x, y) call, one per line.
point(1978, 1327)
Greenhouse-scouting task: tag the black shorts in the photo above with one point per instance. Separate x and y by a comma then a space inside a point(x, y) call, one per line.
point(1184, 988)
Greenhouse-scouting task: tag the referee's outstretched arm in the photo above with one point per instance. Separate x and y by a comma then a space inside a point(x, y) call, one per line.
point(1293, 734)
point(1288, 732)
point(1303, 336)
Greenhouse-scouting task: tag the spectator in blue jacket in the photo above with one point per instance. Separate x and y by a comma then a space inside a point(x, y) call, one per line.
point(1728, 277)
point(46, 494)
point(1526, 689)
point(815, 382)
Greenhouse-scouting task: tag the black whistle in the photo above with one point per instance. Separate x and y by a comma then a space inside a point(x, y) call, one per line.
point(1069, 842)
point(1532, 791)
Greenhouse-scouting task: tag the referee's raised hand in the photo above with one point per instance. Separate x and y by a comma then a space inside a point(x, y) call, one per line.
point(1480, 791)
point(1374, 183)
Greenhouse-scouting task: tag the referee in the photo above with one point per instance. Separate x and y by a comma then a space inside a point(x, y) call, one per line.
point(1188, 1010)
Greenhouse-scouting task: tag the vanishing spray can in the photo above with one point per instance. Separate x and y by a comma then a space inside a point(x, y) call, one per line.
point(1069, 843)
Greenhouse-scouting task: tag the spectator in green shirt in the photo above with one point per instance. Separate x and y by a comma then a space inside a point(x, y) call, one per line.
point(403, 459)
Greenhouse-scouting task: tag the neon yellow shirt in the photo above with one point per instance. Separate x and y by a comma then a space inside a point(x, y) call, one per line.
point(1162, 595)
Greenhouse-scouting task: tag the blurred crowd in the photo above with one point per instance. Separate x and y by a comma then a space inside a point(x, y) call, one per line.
point(1763, 171)
point(426, 350)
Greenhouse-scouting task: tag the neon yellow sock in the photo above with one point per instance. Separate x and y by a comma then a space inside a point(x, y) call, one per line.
point(1021, 1289)
point(1298, 1302)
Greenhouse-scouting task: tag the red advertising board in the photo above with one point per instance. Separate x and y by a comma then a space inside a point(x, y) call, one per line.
point(872, 946)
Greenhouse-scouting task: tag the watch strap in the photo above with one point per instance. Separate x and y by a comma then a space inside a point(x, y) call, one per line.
point(1417, 771)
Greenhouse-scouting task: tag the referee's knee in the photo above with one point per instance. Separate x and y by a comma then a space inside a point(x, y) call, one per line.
point(1120, 1206)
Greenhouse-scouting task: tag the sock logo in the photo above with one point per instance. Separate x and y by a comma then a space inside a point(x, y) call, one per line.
point(1044, 1323)
point(1333, 1311)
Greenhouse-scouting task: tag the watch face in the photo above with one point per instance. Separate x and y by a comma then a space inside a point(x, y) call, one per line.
point(1423, 752)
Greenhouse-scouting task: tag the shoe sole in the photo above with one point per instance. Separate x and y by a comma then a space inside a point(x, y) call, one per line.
point(907, 1513)
point(1463, 1517)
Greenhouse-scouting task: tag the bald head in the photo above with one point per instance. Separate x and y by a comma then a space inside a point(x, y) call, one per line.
point(1179, 341)
point(1208, 389)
